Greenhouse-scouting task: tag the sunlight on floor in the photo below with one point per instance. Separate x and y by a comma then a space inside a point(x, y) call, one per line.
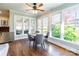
point(51, 51)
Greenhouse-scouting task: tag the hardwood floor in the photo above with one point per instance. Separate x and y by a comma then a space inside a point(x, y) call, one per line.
point(21, 48)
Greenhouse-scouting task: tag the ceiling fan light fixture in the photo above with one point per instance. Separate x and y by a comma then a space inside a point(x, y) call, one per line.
point(35, 7)
point(35, 11)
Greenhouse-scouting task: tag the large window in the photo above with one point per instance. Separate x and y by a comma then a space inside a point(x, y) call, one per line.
point(55, 29)
point(32, 26)
point(26, 25)
point(42, 25)
point(71, 25)
point(66, 25)
point(39, 25)
point(19, 24)
point(23, 25)
point(45, 25)
point(77, 25)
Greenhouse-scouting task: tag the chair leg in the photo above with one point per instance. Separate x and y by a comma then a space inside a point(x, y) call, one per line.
point(29, 44)
point(33, 45)
point(42, 46)
point(45, 45)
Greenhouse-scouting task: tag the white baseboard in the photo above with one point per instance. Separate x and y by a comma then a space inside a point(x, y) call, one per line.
point(67, 45)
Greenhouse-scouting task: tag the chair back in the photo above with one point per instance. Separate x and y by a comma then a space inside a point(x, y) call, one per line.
point(39, 38)
point(30, 38)
point(47, 35)
point(37, 31)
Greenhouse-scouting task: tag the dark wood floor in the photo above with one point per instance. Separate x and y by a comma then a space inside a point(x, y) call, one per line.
point(21, 48)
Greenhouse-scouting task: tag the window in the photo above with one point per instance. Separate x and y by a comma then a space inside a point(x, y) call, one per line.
point(45, 25)
point(77, 26)
point(55, 28)
point(32, 26)
point(26, 25)
point(42, 25)
point(71, 25)
point(19, 25)
point(70, 18)
point(39, 25)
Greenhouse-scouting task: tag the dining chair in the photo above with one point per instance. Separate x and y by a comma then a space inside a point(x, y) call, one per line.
point(39, 40)
point(45, 40)
point(47, 35)
point(37, 31)
point(31, 39)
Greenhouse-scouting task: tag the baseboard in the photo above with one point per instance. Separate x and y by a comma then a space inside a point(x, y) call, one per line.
point(69, 46)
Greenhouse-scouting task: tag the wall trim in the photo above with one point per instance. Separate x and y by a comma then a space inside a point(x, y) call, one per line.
point(64, 44)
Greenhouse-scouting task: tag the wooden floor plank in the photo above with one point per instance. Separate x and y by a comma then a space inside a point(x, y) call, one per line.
point(21, 48)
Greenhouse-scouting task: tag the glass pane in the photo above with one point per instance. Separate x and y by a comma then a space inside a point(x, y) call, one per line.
point(77, 26)
point(26, 25)
point(18, 26)
point(69, 25)
point(55, 31)
point(32, 26)
point(71, 31)
point(45, 25)
point(39, 25)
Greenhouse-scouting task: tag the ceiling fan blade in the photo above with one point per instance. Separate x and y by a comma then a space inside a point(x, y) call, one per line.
point(29, 5)
point(40, 5)
point(39, 9)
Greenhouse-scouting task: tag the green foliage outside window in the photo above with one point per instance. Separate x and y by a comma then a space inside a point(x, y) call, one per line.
point(56, 31)
point(69, 32)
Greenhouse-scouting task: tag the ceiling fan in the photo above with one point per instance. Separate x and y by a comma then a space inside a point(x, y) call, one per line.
point(35, 6)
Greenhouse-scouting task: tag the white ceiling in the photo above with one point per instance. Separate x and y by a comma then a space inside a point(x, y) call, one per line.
point(21, 7)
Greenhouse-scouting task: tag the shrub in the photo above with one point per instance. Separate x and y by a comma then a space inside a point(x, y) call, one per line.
point(56, 31)
point(69, 32)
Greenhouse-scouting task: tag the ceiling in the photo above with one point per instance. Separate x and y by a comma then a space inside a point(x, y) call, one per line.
point(21, 7)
